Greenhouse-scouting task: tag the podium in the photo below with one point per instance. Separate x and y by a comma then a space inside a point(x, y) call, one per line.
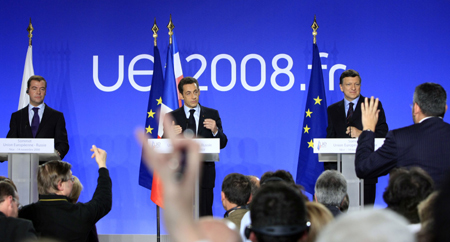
point(343, 152)
point(23, 157)
point(210, 148)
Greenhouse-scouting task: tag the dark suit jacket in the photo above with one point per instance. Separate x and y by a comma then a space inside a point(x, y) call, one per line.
point(54, 216)
point(52, 125)
point(425, 144)
point(337, 126)
point(209, 171)
point(337, 120)
point(16, 229)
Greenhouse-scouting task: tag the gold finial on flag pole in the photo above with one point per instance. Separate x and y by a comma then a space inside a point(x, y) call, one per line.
point(155, 31)
point(30, 31)
point(314, 26)
point(170, 26)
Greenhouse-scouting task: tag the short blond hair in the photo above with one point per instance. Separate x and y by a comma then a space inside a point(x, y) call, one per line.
point(319, 216)
point(76, 190)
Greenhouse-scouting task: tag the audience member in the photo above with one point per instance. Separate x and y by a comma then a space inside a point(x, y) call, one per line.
point(406, 189)
point(54, 216)
point(217, 230)
point(12, 228)
point(319, 216)
point(441, 226)
point(426, 215)
point(278, 213)
point(236, 190)
point(254, 182)
point(179, 190)
point(330, 190)
point(345, 204)
point(6, 179)
point(282, 175)
point(368, 226)
point(73, 198)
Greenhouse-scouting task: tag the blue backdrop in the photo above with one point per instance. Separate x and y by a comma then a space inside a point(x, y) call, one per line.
point(251, 56)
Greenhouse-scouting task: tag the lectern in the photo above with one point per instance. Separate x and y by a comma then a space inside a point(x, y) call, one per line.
point(343, 152)
point(210, 148)
point(23, 157)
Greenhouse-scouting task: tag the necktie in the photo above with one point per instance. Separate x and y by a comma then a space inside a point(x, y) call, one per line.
point(192, 125)
point(35, 122)
point(349, 112)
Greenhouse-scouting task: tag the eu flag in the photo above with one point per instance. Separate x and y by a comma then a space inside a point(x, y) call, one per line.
point(314, 126)
point(152, 121)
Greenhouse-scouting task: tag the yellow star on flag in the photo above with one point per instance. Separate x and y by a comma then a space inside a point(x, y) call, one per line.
point(317, 100)
point(306, 129)
point(308, 113)
point(159, 101)
point(149, 129)
point(311, 144)
point(151, 114)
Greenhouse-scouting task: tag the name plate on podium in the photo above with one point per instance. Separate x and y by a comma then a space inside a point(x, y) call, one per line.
point(35, 146)
point(340, 145)
point(207, 146)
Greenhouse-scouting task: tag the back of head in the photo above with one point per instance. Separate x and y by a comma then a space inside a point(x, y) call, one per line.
point(215, 230)
point(278, 213)
point(406, 189)
point(279, 175)
point(426, 214)
point(349, 73)
point(331, 188)
point(76, 190)
point(50, 174)
point(6, 179)
point(369, 226)
point(254, 183)
point(319, 216)
point(237, 188)
point(6, 190)
point(431, 98)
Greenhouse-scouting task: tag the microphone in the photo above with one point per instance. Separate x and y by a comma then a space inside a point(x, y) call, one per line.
point(188, 132)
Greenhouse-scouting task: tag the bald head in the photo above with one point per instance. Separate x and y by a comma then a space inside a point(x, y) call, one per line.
point(216, 230)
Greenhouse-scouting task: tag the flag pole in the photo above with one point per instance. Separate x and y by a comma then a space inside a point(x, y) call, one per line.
point(30, 32)
point(158, 216)
point(314, 26)
point(170, 26)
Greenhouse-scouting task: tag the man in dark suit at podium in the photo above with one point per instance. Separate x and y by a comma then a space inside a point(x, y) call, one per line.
point(344, 121)
point(425, 144)
point(38, 120)
point(202, 122)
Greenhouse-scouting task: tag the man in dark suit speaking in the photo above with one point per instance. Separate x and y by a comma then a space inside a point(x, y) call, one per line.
point(38, 120)
point(426, 143)
point(202, 122)
point(344, 121)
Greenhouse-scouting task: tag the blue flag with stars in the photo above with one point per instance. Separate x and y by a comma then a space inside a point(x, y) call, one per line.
point(152, 121)
point(314, 126)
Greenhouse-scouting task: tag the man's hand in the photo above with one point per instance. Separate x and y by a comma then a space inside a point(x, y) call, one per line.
point(211, 125)
point(353, 132)
point(100, 156)
point(370, 112)
point(176, 128)
point(178, 194)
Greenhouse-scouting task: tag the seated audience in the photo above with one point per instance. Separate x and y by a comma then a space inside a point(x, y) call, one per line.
point(319, 216)
point(179, 190)
point(278, 213)
point(54, 216)
point(330, 190)
point(426, 215)
point(369, 226)
point(12, 228)
point(236, 190)
point(405, 190)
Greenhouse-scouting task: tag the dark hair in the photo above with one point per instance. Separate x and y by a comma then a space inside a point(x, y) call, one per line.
point(6, 179)
point(186, 80)
point(442, 215)
point(50, 174)
point(36, 78)
point(277, 204)
point(237, 188)
point(349, 73)
point(431, 98)
point(6, 189)
point(406, 189)
point(284, 175)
